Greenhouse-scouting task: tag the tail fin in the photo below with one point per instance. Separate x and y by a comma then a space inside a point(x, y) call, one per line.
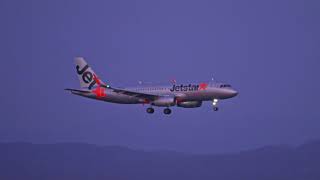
point(88, 79)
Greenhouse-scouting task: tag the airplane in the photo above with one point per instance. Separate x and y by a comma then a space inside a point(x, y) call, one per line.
point(190, 95)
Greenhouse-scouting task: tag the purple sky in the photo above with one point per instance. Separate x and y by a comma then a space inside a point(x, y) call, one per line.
point(268, 50)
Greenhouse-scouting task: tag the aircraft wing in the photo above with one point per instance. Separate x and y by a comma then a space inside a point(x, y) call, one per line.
point(78, 90)
point(150, 97)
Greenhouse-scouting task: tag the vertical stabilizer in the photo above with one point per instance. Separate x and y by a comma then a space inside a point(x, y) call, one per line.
point(88, 79)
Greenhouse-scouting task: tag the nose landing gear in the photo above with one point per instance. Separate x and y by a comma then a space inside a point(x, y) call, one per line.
point(215, 104)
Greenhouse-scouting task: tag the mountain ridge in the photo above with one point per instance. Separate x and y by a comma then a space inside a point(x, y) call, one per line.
point(87, 161)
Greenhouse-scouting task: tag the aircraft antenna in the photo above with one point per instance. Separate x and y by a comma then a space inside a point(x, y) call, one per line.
point(213, 79)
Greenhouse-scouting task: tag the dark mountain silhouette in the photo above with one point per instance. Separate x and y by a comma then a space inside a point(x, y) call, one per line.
point(76, 161)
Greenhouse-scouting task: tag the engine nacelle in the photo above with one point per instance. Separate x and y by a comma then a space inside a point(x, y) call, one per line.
point(190, 104)
point(164, 101)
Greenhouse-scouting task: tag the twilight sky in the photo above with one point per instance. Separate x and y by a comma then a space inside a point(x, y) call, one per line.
point(268, 50)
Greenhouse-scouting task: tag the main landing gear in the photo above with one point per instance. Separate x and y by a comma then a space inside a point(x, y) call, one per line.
point(150, 110)
point(167, 111)
point(215, 104)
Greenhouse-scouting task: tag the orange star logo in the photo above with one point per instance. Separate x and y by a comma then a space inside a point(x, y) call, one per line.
point(99, 92)
point(203, 86)
point(96, 79)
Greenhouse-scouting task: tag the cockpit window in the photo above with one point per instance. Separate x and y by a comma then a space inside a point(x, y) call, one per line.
point(224, 85)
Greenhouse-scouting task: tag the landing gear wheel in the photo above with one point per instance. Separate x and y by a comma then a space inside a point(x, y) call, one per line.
point(150, 110)
point(167, 111)
point(215, 104)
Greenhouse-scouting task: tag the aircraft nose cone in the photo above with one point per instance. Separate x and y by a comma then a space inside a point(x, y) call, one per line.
point(233, 92)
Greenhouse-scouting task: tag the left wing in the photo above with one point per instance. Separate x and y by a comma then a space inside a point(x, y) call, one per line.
point(78, 91)
point(150, 97)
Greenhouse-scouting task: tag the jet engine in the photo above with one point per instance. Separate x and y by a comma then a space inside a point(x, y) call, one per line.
point(189, 104)
point(164, 101)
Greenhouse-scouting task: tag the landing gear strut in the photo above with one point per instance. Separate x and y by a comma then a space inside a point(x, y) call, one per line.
point(150, 110)
point(167, 111)
point(215, 104)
